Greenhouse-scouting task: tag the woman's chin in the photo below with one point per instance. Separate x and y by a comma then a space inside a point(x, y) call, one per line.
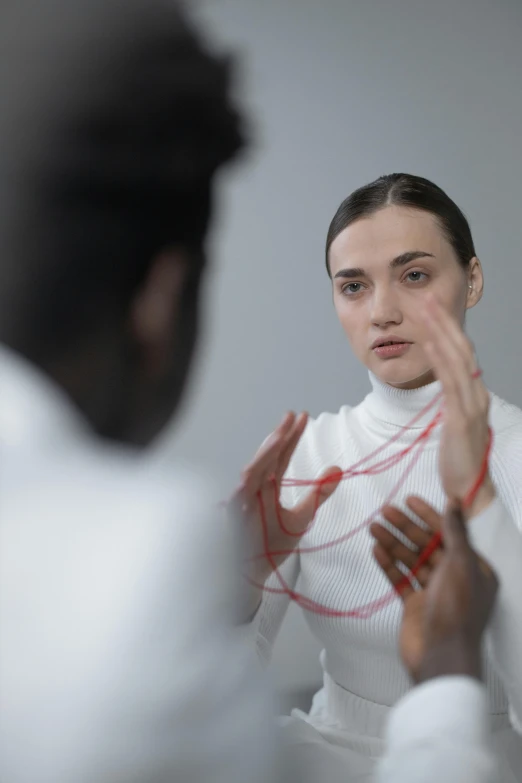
point(403, 375)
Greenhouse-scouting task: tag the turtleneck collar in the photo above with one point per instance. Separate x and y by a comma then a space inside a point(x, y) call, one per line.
point(400, 407)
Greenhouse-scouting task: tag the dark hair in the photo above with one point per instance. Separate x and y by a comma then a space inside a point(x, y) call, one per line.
point(405, 190)
point(115, 118)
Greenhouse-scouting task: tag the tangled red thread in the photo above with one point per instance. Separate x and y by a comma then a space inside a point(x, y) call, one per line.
point(362, 468)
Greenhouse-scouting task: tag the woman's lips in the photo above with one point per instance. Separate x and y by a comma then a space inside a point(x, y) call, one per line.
point(392, 350)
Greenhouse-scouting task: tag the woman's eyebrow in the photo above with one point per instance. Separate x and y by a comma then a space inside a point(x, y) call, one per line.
point(402, 260)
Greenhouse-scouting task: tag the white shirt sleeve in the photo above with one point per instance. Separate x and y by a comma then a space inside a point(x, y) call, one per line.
point(269, 617)
point(495, 536)
point(439, 732)
point(273, 602)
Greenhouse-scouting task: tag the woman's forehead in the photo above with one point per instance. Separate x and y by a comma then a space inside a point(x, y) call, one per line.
point(381, 237)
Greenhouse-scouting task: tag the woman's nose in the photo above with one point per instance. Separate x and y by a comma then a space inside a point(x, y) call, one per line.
point(385, 310)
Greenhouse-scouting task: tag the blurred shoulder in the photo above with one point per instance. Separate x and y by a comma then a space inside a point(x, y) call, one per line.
point(115, 496)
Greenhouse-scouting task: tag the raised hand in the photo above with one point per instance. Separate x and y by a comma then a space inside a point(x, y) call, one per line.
point(444, 621)
point(273, 528)
point(465, 433)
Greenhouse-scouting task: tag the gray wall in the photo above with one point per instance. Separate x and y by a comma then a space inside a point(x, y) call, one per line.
point(340, 92)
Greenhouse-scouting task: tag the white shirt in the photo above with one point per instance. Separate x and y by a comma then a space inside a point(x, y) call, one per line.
point(120, 657)
point(439, 733)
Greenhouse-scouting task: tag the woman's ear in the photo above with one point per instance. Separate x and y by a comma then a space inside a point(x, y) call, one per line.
point(475, 278)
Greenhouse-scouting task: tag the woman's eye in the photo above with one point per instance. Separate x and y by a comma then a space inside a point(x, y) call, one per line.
point(415, 277)
point(351, 288)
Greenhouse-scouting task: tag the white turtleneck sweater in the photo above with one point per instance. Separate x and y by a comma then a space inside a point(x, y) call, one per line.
point(361, 655)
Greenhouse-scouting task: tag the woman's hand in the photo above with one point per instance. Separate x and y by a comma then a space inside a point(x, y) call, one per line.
point(275, 531)
point(443, 623)
point(465, 430)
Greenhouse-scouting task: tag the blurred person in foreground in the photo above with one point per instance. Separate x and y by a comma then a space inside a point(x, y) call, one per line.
point(121, 654)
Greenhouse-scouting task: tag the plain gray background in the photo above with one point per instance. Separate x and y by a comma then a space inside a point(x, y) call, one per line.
point(340, 92)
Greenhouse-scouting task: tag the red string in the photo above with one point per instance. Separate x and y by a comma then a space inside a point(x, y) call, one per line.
point(416, 448)
point(362, 612)
point(420, 442)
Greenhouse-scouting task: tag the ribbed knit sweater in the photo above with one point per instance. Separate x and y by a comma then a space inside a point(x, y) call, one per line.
point(361, 655)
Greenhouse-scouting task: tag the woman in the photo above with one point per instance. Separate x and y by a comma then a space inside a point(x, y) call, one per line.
point(404, 272)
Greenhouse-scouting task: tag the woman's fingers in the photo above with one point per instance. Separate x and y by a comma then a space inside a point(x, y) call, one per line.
point(444, 359)
point(447, 331)
point(326, 485)
point(453, 358)
point(266, 460)
point(450, 331)
point(291, 440)
point(397, 579)
point(442, 368)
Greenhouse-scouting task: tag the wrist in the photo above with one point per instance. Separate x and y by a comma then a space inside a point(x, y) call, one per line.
point(484, 497)
point(455, 657)
point(255, 574)
point(250, 601)
point(258, 574)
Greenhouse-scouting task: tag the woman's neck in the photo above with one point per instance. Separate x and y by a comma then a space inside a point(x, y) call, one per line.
point(400, 406)
point(416, 383)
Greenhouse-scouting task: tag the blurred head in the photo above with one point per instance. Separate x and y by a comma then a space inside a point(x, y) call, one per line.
point(115, 119)
point(389, 243)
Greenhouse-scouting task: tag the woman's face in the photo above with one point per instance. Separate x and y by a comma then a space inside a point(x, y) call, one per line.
point(382, 267)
